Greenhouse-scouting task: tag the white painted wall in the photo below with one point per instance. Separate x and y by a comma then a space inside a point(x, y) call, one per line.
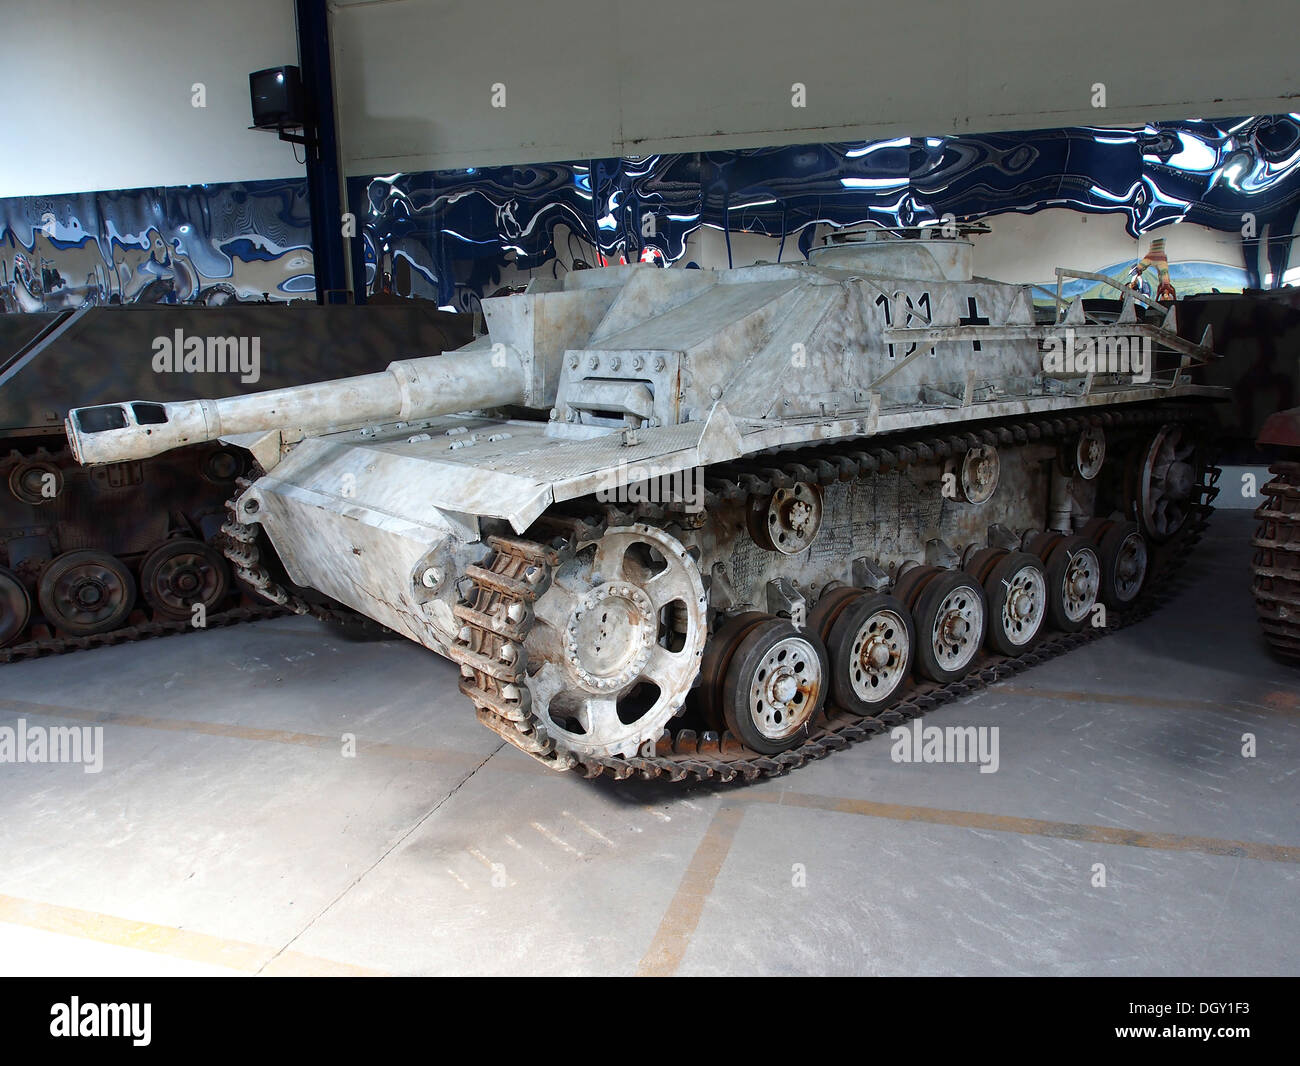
point(1028, 248)
point(588, 78)
point(98, 93)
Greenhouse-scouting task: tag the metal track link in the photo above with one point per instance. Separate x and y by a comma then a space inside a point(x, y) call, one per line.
point(493, 605)
point(1276, 563)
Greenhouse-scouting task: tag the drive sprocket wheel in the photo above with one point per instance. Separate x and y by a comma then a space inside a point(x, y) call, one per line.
point(621, 634)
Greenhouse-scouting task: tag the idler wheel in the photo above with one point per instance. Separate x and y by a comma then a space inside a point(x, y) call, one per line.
point(180, 573)
point(775, 686)
point(1165, 484)
point(86, 592)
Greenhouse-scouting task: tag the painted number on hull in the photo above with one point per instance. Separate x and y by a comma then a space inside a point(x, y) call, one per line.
point(908, 313)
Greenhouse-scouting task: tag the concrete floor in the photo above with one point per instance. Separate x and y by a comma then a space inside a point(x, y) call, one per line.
point(227, 833)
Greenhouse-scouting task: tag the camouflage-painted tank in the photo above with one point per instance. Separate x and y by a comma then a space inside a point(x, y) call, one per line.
point(705, 523)
point(125, 550)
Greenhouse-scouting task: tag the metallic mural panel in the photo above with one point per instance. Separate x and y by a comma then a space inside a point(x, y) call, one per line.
point(205, 244)
point(448, 235)
point(451, 236)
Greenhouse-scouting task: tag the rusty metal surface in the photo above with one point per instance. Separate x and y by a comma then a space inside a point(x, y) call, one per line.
point(1276, 563)
point(496, 613)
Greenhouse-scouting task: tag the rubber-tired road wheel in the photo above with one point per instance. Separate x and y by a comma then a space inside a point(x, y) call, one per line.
point(15, 607)
point(86, 592)
point(950, 619)
point(1016, 590)
point(775, 686)
point(718, 653)
point(180, 573)
point(871, 646)
point(1125, 559)
point(1073, 573)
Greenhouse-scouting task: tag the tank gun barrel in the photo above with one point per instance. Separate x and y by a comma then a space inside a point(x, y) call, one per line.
point(409, 389)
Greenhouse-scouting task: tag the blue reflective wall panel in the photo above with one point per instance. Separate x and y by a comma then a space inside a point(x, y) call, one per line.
point(450, 235)
point(454, 229)
point(192, 244)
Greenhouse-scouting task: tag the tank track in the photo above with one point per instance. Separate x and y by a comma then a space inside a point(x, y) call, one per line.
point(496, 612)
point(53, 644)
point(1276, 563)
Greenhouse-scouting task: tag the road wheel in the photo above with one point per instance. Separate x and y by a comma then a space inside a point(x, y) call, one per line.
point(950, 618)
point(180, 573)
point(775, 686)
point(871, 646)
point(86, 592)
point(1016, 589)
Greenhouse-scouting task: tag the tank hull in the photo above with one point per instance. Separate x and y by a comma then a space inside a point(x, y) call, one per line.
point(734, 510)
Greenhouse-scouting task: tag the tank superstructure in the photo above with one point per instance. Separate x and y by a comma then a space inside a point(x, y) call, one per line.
point(701, 522)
